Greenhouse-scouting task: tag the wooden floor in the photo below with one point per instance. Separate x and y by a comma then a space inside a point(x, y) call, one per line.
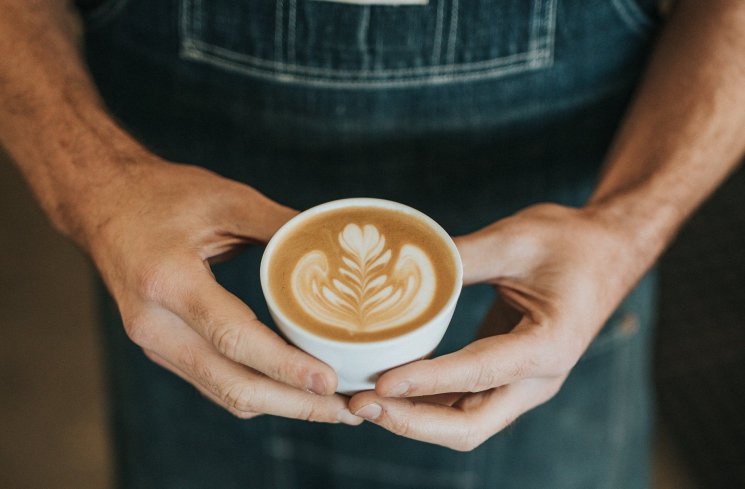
point(53, 431)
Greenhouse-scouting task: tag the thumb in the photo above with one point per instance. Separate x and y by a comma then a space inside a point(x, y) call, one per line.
point(493, 253)
point(255, 217)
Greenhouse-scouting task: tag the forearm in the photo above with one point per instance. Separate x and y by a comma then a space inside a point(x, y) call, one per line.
point(684, 133)
point(52, 122)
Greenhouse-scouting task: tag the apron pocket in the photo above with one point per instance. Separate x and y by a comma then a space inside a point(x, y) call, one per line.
point(331, 44)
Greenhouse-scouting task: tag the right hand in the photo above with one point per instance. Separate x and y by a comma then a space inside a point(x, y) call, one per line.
point(152, 234)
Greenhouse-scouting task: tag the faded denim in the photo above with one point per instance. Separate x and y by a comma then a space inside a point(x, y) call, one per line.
point(465, 109)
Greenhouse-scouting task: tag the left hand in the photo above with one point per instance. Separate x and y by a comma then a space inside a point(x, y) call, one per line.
point(561, 271)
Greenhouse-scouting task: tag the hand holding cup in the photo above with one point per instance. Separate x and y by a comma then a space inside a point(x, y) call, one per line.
point(363, 284)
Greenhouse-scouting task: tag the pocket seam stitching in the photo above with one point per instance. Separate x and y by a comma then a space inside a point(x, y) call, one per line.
point(452, 34)
point(437, 41)
point(538, 55)
point(433, 79)
point(193, 47)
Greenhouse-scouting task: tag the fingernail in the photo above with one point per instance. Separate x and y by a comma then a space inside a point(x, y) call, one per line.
point(371, 411)
point(317, 384)
point(344, 416)
point(401, 389)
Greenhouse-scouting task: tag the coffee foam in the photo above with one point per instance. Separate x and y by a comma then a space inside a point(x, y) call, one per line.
point(370, 291)
point(362, 274)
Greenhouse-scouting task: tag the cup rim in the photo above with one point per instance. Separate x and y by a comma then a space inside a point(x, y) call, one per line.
point(357, 202)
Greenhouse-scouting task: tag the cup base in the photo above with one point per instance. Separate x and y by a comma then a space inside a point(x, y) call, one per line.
point(349, 388)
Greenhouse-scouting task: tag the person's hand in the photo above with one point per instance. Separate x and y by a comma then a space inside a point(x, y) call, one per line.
point(560, 272)
point(157, 227)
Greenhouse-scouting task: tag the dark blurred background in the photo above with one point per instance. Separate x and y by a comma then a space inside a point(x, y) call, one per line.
point(53, 424)
point(52, 416)
point(700, 348)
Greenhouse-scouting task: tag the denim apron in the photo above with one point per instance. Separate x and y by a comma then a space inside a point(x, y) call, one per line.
point(468, 110)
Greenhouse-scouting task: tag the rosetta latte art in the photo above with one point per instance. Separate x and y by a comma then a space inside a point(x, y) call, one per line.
point(369, 291)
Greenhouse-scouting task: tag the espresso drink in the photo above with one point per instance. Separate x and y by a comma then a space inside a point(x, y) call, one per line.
point(362, 273)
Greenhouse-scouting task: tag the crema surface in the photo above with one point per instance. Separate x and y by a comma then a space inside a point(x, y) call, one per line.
point(361, 274)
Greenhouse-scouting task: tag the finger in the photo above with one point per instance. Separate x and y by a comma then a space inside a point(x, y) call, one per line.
point(493, 252)
point(445, 399)
point(482, 365)
point(253, 215)
point(461, 427)
point(233, 329)
point(157, 359)
point(239, 387)
point(465, 425)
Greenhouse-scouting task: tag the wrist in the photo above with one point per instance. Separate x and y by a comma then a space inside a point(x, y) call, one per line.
point(81, 163)
point(642, 223)
point(89, 199)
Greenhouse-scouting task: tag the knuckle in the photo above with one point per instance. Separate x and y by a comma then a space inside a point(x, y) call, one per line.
point(553, 389)
point(243, 414)
point(152, 280)
point(193, 362)
point(217, 402)
point(474, 376)
point(399, 425)
point(291, 367)
point(228, 340)
point(519, 368)
point(196, 309)
point(470, 440)
point(190, 360)
point(506, 422)
point(483, 378)
point(309, 411)
point(138, 331)
point(240, 397)
point(150, 355)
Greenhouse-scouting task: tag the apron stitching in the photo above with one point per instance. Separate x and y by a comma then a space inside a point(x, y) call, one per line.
point(362, 32)
point(291, 20)
point(279, 29)
point(437, 42)
point(320, 81)
point(535, 25)
point(548, 49)
point(210, 50)
point(185, 24)
point(453, 32)
point(541, 55)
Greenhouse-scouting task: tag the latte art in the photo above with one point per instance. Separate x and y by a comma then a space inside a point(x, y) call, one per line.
point(372, 290)
point(361, 273)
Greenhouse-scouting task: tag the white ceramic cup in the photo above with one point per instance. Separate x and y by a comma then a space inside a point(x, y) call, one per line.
point(358, 364)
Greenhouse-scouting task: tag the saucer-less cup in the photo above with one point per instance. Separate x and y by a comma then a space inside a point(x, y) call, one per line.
point(358, 364)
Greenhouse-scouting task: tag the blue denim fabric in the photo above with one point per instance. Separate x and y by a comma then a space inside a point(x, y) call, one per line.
point(465, 109)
